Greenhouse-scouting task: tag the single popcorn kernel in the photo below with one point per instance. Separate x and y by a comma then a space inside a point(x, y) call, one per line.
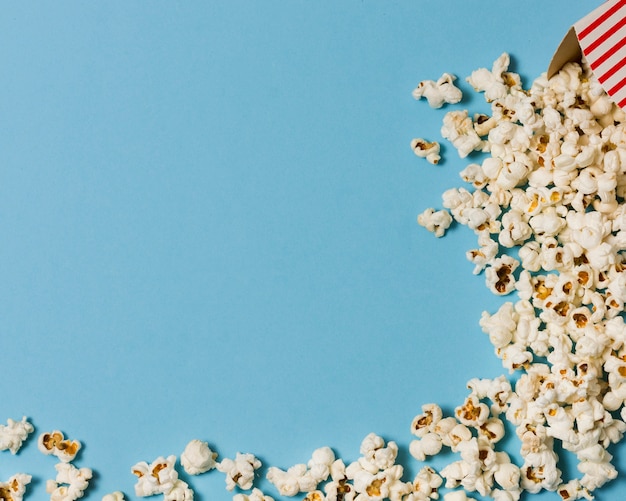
point(55, 443)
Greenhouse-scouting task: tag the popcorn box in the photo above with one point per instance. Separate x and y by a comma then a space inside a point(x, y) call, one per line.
point(601, 37)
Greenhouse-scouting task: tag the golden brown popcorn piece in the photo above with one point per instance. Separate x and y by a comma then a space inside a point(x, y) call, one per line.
point(55, 443)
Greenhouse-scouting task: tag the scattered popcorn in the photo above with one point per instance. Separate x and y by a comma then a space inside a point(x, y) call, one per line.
point(198, 458)
point(70, 483)
point(13, 434)
point(157, 477)
point(239, 471)
point(14, 488)
point(427, 150)
point(440, 92)
point(547, 208)
point(55, 443)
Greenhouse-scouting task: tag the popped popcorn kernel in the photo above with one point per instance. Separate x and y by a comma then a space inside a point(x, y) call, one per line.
point(15, 488)
point(70, 483)
point(157, 477)
point(440, 92)
point(14, 433)
point(113, 496)
point(56, 444)
point(239, 471)
point(198, 457)
point(436, 222)
point(428, 150)
point(255, 495)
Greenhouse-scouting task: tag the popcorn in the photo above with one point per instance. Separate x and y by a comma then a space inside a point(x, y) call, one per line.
point(499, 276)
point(180, 491)
point(13, 434)
point(491, 82)
point(15, 488)
point(70, 483)
point(429, 445)
point(239, 471)
point(198, 458)
point(552, 188)
point(440, 92)
point(303, 477)
point(376, 455)
point(427, 150)
point(113, 496)
point(339, 488)
point(257, 495)
point(458, 128)
point(157, 477)
point(436, 222)
point(55, 443)
point(426, 485)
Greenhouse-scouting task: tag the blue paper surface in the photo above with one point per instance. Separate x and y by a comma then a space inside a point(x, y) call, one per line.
point(208, 211)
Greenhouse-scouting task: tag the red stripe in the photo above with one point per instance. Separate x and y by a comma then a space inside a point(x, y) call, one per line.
point(612, 50)
point(601, 19)
point(614, 69)
point(622, 103)
point(607, 34)
point(613, 90)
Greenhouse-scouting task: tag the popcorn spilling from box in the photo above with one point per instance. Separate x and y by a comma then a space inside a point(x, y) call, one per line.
point(545, 197)
point(547, 207)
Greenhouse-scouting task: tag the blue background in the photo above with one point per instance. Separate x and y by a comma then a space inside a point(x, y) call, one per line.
point(207, 220)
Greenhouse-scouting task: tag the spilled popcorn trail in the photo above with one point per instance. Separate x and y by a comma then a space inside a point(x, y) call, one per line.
point(547, 207)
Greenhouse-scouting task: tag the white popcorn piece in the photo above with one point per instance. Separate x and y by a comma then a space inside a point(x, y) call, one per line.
point(114, 496)
point(14, 433)
point(376, 455)
point(436, 222)
point(428, 445)
point(157, 477)
point(440, 92)
point(15, 488)
point(320, 464)
point(499, 276)
point(427, 421)
point(458, 128)
point(457, 496)
point(258, 495)
point(180, 491)
point(339, 488)
point(426, 485)
point(70, 483)
point(239, 471)
point(198, 457)
point(378, 485)
point(425, 149)
point(56, 444)
point(287, 482)
point(493, 83)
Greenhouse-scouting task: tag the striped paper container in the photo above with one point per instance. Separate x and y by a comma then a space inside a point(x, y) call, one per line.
point(601, 37)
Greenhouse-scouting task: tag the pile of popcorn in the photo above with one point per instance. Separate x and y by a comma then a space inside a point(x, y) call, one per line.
point(546, 203)
point(547, 206)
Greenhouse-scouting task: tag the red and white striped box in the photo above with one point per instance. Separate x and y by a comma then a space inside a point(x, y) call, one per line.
point(601, 37)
